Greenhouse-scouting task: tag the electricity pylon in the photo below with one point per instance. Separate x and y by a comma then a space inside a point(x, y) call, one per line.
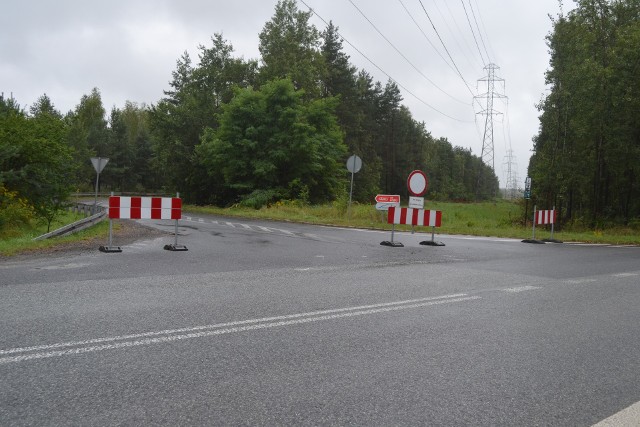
point(511, 172)
point(488, 112)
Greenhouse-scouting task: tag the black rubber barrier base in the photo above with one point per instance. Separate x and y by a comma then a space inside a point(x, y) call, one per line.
point(431, 243)
point(551, 241)
point(109, 249)
point(540, 242)
point(175, 248)
point(392, 244)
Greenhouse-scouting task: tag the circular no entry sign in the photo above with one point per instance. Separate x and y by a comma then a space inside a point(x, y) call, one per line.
point(417, 183)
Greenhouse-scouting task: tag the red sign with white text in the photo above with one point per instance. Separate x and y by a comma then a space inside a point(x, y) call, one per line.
point(388, 198)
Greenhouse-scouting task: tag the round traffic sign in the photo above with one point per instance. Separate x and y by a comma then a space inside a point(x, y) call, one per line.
point(354, 164)
point(417, 183)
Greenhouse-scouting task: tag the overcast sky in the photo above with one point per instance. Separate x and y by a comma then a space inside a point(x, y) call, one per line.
point(128, 49)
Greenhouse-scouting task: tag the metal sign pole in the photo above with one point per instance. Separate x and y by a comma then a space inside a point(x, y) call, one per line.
point(351, 189)
point(110, 223)
point(393, 228)
point(534, 223)
point(176, 246)
point(176, 231)
point(433, 233)
point(95, 199)
point(110, 247)
point(553, 221)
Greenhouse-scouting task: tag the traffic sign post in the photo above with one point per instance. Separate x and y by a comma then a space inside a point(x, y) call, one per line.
point(98, 164)
point(354, 164)
point(527, 196)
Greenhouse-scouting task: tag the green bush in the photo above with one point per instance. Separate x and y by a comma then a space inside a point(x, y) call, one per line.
point(260, 198)
point(14, 211)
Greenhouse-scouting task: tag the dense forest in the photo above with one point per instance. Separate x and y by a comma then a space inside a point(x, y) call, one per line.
point(232, 130)
point(587, 154)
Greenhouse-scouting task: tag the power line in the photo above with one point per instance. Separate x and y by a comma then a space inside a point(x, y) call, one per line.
point(446, 50)
point(493, 54)
point(453, 34)
point(472, 32)
point(403, 56)
point(427, 38)
point(479, 32)
point(472, 60)
point(454, 68)
point(383, 71)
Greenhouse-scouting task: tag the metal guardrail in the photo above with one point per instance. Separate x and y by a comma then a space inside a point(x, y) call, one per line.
point(76, 226)
point(96, 213)
point(118, 193)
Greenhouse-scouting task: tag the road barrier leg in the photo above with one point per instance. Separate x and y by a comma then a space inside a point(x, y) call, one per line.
point(110, 247)
point(392, 243)
point(533, 236)
point(175, 246)
point(432, 242)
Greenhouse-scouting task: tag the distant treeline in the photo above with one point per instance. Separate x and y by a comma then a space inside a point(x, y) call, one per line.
point(587, 154)
point(233, 130)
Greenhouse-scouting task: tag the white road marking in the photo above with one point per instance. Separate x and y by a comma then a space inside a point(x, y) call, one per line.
point(170, 335)
point(628, 417)
point(268, 230)
point(62, 266)
point(521, 289)
point(285, 231)
point(625, 275)
point(579, 281)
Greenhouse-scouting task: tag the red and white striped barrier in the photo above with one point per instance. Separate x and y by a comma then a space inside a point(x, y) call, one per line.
point(545, 217)
point(121, 207)
point(427, 218)
point(145, 207)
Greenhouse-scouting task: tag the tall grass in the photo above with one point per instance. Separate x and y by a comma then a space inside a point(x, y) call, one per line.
point(18, 240)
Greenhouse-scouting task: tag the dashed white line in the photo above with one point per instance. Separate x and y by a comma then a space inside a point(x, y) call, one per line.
point(625, 275)
point(285, 231)
point(521, 289)
point(579, 281)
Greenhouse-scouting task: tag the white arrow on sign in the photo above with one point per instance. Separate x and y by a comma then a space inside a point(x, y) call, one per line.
point(384, 206)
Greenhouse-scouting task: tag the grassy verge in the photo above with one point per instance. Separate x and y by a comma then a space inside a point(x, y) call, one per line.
point(20, 240)
point(495, 219)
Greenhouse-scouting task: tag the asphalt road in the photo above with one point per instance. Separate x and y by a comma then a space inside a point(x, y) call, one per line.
point(265, 323)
